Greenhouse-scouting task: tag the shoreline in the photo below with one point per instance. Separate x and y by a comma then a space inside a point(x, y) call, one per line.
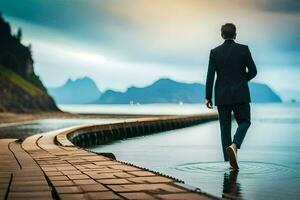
point(11, 119)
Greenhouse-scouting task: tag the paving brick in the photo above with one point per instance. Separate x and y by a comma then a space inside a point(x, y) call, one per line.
point(22, 188)
point(93, 188)
point(137, 195)
point(67, 168)
point(181, 196)
point(53, 173)
point(27, 183)
point(4, 180)
point(68, 189)
point(96, 175)
point(142, 173)
point(31, 194)
point(95, 158)
point(145, 187)
point(2, 193)
point(107, 163)
point(29, 178)
point(62, 183)
point(85, 182)
point(90, 166)
point(28, 173)
point(78, 176)
point(58, 178)
point(73, 196)
point(103, 195)
point(113, 181)
point(71, 172)
point(104, 170)
point(49, 169)
point(124, 167)
point(5, 174)
point(151, 179)
point(3, 186)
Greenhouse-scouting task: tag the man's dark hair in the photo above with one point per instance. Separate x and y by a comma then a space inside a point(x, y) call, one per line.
point(228, 31)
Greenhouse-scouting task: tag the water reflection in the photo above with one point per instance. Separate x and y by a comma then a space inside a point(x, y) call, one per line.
point(231, 188)
point(268, 160)
point(26, 129)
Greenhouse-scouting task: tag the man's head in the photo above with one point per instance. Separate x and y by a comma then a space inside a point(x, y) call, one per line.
point(228, 31)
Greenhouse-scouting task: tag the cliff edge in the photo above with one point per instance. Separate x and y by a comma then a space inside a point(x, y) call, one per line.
point(20, 88)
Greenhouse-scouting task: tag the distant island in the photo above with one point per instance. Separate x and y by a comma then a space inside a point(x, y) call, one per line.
point(20, 88)
point(161, 91)
point(80, 91)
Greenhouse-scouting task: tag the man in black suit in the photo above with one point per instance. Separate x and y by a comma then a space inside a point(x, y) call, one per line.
point(234, 66)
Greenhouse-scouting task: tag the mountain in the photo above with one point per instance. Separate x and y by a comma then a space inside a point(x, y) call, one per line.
point(290, 95)
point(79, 91)
point(20, 88)
point(262, 93)
point(161, 91)
point(169, 91)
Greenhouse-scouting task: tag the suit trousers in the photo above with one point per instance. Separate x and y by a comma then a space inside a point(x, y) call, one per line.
point(242, 116)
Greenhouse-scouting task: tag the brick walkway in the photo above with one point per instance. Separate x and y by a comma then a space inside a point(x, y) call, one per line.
point(20, 176)
point(37, 168)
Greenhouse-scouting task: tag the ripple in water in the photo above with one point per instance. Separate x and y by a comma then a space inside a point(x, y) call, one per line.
point(247, 169)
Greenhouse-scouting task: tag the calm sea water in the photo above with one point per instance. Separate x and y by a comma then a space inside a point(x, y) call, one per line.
point(26, 129)
point(269, 158)
point(156, 109)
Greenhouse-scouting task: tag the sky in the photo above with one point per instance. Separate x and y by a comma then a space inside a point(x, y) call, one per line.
point(120, 43)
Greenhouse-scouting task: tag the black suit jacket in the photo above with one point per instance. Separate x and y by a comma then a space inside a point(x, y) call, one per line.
point(234, 66)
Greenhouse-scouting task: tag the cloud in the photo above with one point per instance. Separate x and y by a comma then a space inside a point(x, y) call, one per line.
point(113, 41)
point(172, 32)
point(284, 6)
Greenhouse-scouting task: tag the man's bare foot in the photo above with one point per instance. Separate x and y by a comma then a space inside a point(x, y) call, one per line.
point(232, 154)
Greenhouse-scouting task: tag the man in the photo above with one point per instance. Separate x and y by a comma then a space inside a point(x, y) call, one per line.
point(234, 66)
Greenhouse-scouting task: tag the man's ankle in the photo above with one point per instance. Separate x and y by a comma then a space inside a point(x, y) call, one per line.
point(234, 146)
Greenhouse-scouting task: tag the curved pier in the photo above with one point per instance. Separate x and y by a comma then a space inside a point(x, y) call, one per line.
point(54, 166)
point(91, 135)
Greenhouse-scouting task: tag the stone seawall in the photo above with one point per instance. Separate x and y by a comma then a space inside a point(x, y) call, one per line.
point(92, 135)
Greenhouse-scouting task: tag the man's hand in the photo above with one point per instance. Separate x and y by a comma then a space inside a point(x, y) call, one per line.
point(208, 103)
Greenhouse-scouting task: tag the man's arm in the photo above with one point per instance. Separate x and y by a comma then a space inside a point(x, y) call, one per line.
point(252, 71)
point(210, 81)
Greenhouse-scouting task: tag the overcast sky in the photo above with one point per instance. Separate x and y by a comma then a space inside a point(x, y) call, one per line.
point(120, 43)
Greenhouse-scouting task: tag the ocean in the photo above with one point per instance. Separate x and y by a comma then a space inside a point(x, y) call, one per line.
point(269, 158)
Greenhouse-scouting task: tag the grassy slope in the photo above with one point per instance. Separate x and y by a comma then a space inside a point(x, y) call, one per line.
point(19, 81)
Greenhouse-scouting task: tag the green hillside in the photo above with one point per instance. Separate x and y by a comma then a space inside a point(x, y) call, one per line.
point(19, 81)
